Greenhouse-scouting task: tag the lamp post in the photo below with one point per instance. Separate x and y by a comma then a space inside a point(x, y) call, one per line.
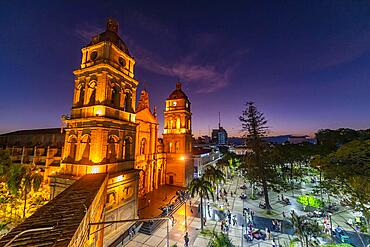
point(186, 220)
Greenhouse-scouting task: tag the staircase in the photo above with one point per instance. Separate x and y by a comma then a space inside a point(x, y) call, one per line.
point(124, 238)
point(149, 227)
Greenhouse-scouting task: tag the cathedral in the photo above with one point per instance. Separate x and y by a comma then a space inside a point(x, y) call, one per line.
point(112, 139)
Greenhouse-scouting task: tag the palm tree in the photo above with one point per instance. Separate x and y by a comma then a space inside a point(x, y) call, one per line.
point(203, 188)
point(305, 229)
point(24, 177)
point(214, 175)
point(219, 239)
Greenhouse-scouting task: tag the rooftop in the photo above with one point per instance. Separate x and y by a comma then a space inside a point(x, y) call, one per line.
point(178, 93)
point(34, 132)
point(65, 212)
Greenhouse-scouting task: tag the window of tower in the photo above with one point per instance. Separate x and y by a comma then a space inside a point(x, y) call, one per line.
point(85, 143)
point(128, 148)
point(128, 102)
point(112, 148)
point(72, 148)
point(178, 123)
point(116, 96)
point(142, 146)
point(82, 95)
point(170, 148)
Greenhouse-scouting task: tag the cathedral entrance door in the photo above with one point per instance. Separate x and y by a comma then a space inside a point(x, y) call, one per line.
point(171, 179)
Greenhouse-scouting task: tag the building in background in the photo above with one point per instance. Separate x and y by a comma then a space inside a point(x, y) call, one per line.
point(204, 156)
point(219, 136)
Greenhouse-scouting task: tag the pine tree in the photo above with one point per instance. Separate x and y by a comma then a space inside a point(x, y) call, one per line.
point(257, 168)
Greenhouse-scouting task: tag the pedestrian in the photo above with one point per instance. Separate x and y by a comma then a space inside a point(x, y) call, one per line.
point(279, 225)
point(273, 224)
point(235, 221)
point(186, 239)
point(148, 202)
point(273, 243)
point(283, 214)
point(229, 216)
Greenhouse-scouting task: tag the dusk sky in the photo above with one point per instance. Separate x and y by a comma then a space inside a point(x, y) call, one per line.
point(306, 64)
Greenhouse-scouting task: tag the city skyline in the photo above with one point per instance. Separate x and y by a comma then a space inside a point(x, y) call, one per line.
point(254, 54)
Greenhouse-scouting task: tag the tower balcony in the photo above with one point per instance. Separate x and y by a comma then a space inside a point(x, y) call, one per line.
point(176, 131)
point(102, 111)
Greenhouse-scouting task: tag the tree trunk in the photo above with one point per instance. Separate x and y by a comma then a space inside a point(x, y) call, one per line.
point(307, 241)
point(266, 194)
point(25, 203)
point(201, 213)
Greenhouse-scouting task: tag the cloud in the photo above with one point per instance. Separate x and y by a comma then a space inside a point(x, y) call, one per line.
point(86, 31)
point(205, 77)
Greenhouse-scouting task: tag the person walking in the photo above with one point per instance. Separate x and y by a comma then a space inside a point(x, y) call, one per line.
point(229, 216)
point(235, 221)
point(186, 239)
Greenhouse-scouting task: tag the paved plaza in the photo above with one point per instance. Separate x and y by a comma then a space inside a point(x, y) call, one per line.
point(236, 205)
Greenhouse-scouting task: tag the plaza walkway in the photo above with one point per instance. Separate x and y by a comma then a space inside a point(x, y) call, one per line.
point(149, 206)
point(236, 205)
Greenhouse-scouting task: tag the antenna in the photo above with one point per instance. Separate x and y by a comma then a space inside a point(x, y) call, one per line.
point(219, 120)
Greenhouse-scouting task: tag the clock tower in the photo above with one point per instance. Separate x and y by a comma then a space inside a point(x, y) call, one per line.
point(177, 138)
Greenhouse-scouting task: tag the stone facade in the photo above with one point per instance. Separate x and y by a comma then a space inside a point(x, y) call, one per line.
point(106, 135)
point(177, 138)
point(100, 134)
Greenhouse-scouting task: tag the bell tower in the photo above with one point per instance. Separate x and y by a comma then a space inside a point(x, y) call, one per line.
point(177, 138)
point(100, 132)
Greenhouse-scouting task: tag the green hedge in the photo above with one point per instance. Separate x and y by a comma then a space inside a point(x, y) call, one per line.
point(311, 201)
point(338, 245)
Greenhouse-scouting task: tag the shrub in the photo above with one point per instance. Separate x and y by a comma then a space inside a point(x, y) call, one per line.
point(308, 200)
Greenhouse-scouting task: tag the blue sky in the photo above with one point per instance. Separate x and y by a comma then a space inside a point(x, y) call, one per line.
point(305, 63)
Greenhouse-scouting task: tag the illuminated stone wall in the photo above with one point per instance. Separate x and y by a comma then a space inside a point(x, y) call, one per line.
point(177, 138)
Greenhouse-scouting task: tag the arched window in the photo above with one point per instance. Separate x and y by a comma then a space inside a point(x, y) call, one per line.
point(128, 149)
point(178, 123)
point(112, 148)
point(72, 143)
point(171, 124)
point(189, 124)
point(177, 147)
point(85, 145)
point(91, 92)
point(128, 102)
point(170, 147)
point(116, 96)
point(81, 96)
point(142, 146)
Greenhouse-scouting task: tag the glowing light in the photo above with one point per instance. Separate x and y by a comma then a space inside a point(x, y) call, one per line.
point(99, 112)
point(94, 169)
point(119, 178)
point(182, 158)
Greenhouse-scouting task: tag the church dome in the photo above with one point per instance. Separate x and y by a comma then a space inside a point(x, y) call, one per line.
point(178, 93)
point(111, 34)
